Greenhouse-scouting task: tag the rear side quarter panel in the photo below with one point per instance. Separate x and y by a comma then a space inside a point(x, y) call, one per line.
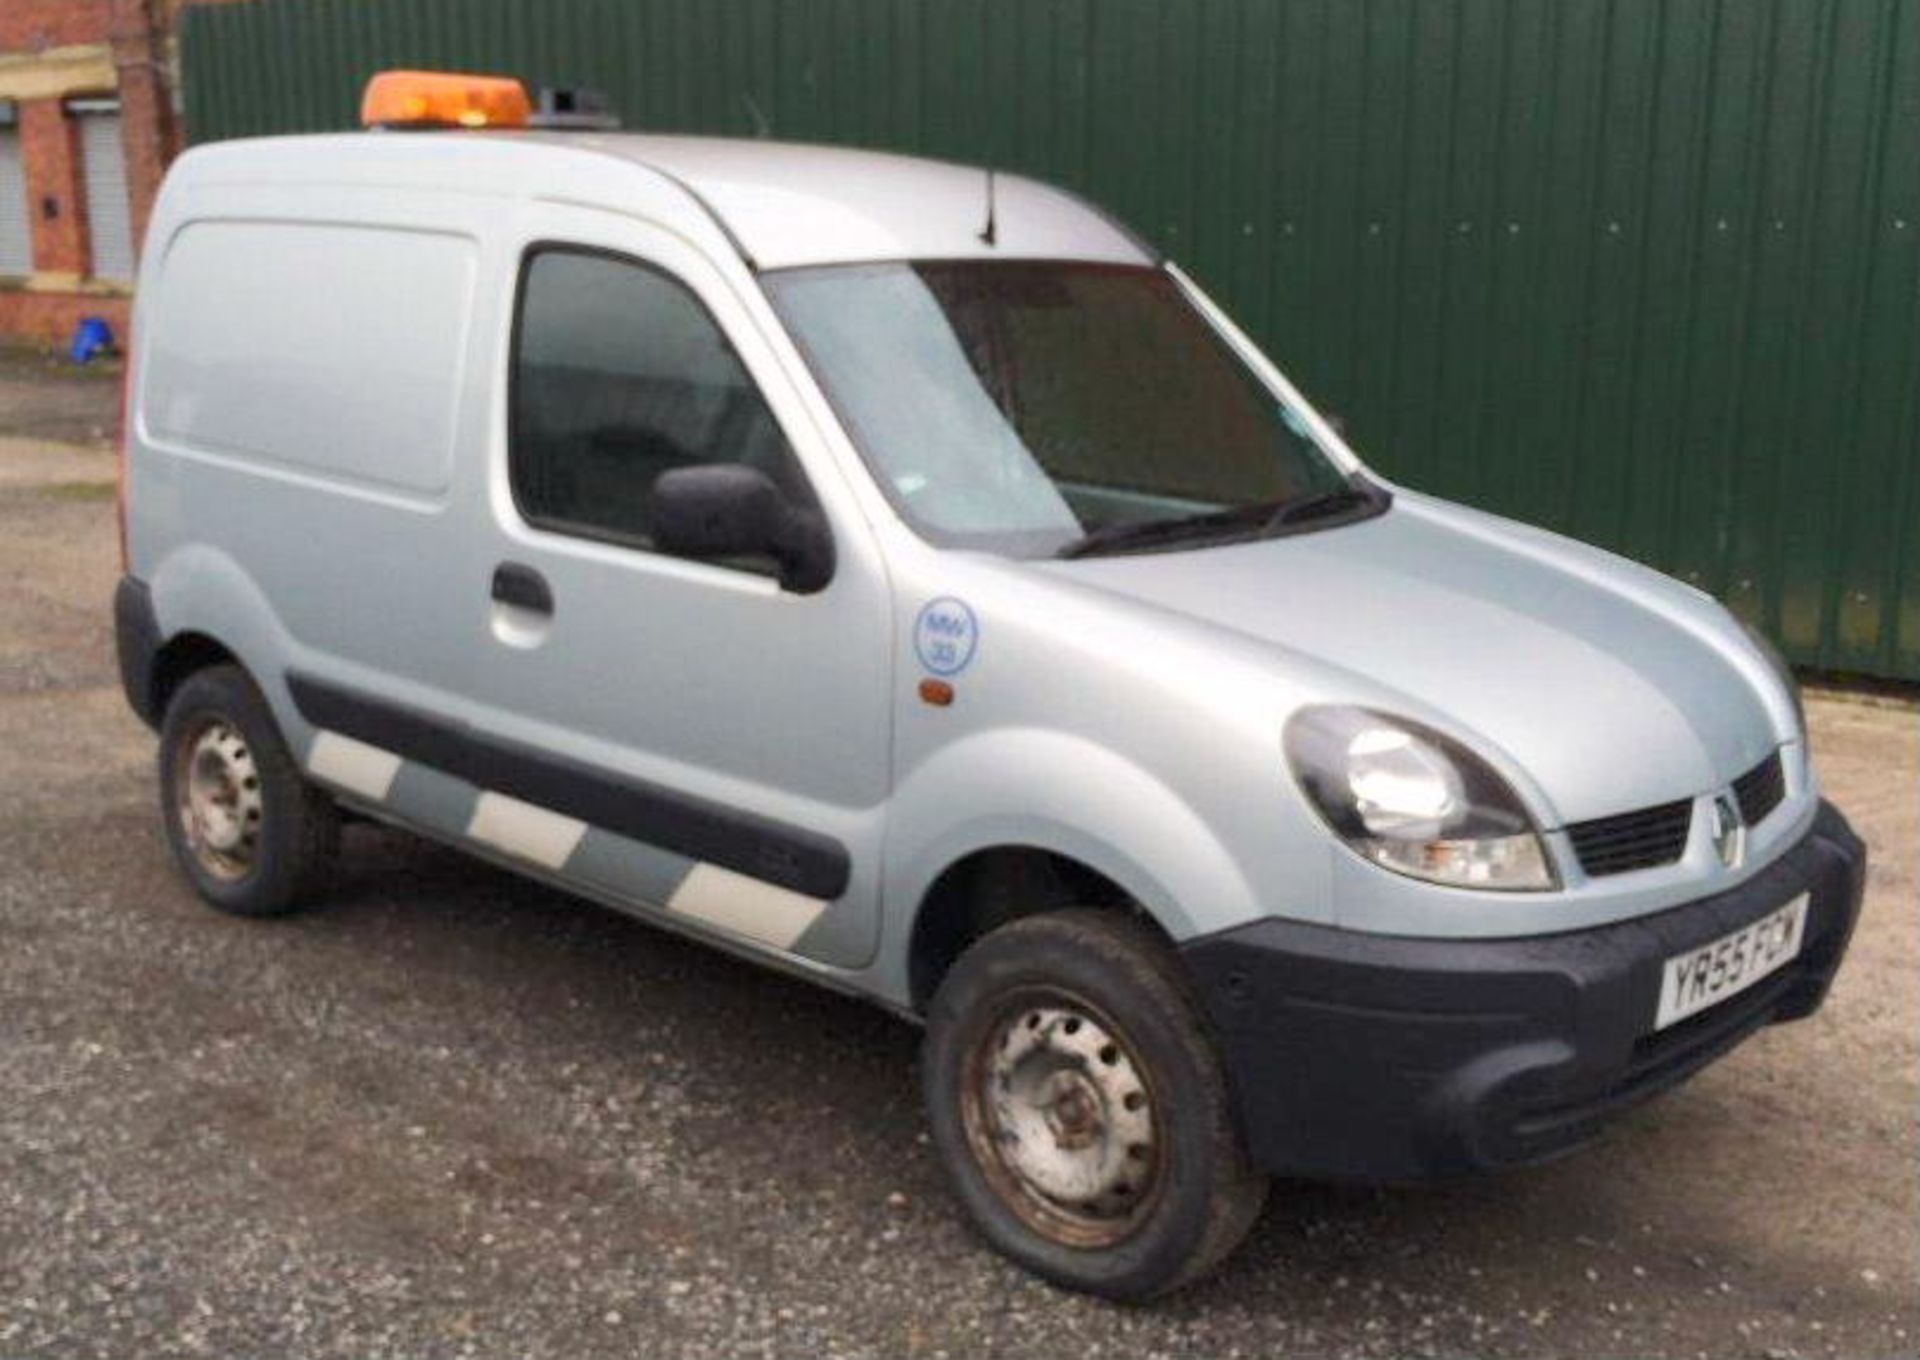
point(200, 589)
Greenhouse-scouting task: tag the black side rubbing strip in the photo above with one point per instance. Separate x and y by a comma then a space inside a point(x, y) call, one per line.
point(745, 842)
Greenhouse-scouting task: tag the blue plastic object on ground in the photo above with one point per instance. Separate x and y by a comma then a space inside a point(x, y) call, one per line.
point(91, 338)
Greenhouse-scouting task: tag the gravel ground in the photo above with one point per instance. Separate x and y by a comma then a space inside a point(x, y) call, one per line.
point(45, 395)
point(459, 1114)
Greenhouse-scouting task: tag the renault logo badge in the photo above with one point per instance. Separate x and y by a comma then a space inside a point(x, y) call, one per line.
point(1728, 831)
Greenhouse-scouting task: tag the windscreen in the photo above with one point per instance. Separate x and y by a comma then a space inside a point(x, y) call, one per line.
point(1019, 406)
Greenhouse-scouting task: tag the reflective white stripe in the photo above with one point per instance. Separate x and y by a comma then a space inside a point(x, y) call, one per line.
point(522, 829)
point(352, 765)
point(746, 906)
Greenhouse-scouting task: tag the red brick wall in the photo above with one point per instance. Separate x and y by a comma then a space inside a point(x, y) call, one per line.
point(28, 25)
point(148, 127)
point(56, 193)
point(136, 31)
point(52, 317)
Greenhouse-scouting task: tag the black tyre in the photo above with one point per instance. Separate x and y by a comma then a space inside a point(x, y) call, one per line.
point(251, 833)
point(1081, 1109)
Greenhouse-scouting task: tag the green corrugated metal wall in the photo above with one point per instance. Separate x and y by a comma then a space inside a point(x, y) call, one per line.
point(1643, 272)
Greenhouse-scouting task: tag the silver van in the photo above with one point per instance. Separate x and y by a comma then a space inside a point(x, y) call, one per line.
point(902, 575)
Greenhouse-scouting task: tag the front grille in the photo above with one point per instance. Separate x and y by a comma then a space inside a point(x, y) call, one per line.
point(1633, 840)
point(1760, 790)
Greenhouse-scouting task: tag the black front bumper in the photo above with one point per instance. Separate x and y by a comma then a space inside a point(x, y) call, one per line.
point(1372, 1057)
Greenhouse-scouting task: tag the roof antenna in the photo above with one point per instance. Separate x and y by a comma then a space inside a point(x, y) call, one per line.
point(987, 233)
point(761, 127)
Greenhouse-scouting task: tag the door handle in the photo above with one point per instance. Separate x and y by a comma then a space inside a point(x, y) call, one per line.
point(521, 586)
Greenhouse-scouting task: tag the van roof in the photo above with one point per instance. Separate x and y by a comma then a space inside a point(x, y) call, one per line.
point(783, 204)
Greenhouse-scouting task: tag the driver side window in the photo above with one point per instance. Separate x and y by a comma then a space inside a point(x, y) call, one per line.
point(618, 375)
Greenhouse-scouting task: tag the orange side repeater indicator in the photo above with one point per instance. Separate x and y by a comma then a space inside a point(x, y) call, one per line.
point(936, 692)
point(444, 99)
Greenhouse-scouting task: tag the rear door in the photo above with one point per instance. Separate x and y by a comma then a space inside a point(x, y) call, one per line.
point(303, 438)
point(684, 736)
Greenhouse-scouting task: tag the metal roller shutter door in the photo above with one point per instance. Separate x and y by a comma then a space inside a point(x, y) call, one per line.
point(109, 216)
point(16, 227)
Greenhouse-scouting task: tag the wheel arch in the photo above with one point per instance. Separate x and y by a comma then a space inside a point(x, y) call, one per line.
point(179, 658)
point(1025, 809)
point(204, 609)
point(993, 886)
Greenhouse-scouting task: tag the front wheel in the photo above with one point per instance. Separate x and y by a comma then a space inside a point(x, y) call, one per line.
point(1081, 1108)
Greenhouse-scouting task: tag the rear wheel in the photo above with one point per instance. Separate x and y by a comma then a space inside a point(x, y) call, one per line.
point(252, 834)
point(1081, 1108)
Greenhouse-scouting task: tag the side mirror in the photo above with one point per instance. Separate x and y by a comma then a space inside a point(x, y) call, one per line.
point(732, 510)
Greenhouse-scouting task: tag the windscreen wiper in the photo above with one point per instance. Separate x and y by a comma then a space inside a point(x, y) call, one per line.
point(1266, 519)
point(1356, 493)
point(1144, 533)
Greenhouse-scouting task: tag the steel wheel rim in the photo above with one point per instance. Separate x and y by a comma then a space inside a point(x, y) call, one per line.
point(1061, 1119)
point(217, 793)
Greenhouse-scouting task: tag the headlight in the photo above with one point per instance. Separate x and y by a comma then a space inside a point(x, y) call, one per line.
point(1782, 672)
point(1415, 801)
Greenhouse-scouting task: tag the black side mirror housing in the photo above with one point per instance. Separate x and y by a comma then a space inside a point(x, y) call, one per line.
point(732, 510)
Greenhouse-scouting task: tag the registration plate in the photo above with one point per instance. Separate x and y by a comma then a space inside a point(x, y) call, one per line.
point(1718, 969)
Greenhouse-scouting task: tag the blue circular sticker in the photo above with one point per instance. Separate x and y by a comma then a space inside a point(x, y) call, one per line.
point(945, 635)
